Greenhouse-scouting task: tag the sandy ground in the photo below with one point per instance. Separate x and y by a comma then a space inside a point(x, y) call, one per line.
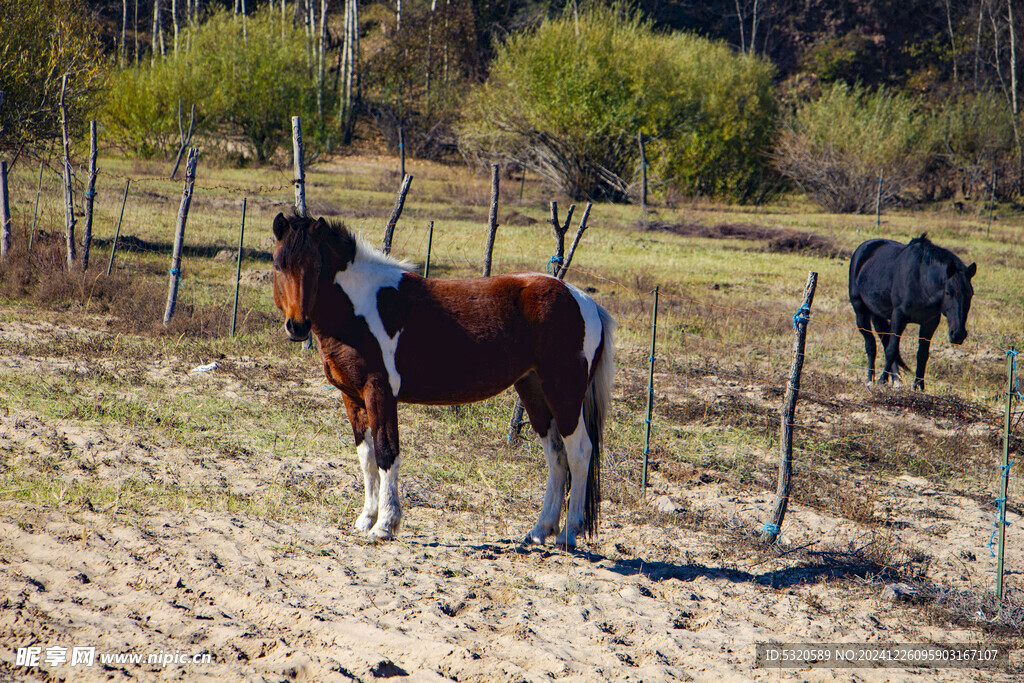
point(455, 597)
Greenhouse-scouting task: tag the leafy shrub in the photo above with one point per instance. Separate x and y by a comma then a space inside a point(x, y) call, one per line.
point(835, 147)
point(569, 98)
point(246, 84)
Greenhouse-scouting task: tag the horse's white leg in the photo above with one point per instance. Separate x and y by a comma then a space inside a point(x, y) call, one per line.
point(551, 511)
point(371, 483)
point(390, 511)
point(577, 450)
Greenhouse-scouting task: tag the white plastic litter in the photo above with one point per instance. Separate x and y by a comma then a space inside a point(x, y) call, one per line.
point(205, 368)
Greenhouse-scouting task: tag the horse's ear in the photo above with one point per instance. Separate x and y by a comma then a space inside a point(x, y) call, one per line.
point(972, 270)
point(318, 225)
point(281, 226)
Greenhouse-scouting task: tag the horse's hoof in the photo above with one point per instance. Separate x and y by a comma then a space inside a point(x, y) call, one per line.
point(365, 522)
point(381, 534)
point(532, 539)
point(565, 543)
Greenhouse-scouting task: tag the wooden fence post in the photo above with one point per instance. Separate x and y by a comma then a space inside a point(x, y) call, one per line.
point(5, 213)
point(492, 220)
point(179, 236)
point(773, 528)
point(238, 270)
point(575, 241)
point(69, 199)
point(90, 197)
point(35, 212)
point(117, 233)
point(389, 229)
point(401, 150)
point(556, 265)
point(300, 171)
point(185, 139)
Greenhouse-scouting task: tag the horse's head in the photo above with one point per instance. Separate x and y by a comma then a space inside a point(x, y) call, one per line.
point(956, 299)
point(297, 266)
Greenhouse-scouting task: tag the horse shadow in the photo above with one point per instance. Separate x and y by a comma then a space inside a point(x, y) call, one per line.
point(803, 573)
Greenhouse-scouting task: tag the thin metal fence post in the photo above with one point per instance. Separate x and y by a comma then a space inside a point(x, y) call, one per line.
point(117, 233)
point(650, 390)
point(238, 270)
point(1004, 478)
point(5, 213)
point(878, 200)
point(35, 212)
point(991, 202)
point(430, 240)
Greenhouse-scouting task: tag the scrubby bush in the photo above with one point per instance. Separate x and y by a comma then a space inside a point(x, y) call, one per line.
point(416, 78)
point(569, 98)
point(40, 41)
point(974, 136)
point(836, 147)
point(248, 84)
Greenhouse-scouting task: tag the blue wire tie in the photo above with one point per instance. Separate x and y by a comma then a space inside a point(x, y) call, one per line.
point(802, 316)
point(175, 271)
point(1000, 509)
point(555, 260)
point(772, 528)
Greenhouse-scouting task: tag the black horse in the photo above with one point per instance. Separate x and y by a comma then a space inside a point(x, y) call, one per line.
point(893, 284)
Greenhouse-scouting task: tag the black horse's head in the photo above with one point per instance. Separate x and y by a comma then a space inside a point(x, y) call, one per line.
point(956, 299)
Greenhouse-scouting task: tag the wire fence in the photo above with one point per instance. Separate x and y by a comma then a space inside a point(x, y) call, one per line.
point(695, 341)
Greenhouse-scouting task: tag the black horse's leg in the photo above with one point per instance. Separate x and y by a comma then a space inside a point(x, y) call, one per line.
point(382, 409)
point(884, 334)
point(927, 330)
point(892, 347)
point(864, 326)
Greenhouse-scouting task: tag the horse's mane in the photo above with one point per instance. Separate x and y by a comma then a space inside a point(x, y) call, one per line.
point(336, 237)
point(932, 252)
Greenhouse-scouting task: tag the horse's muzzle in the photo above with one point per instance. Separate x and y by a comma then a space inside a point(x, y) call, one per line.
point(958, 337)
point(298, 330)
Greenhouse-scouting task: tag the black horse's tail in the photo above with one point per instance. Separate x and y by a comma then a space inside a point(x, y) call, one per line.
point(596, 403)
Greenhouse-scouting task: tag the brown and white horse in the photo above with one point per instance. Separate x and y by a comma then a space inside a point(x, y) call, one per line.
point(388, 336)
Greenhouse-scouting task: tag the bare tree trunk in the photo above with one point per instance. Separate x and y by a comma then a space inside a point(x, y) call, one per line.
point(739, 17)
point(174, 21)
point(952, 39)
point(753, 29)
point(136, 32)
point(122, 57)
point(1013, 92)
point(430, 45)
point(322, 43)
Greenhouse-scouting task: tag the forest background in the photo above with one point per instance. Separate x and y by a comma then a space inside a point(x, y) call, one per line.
point(736, 99)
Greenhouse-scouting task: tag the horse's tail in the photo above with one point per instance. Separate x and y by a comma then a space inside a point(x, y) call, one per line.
point(596, 403)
